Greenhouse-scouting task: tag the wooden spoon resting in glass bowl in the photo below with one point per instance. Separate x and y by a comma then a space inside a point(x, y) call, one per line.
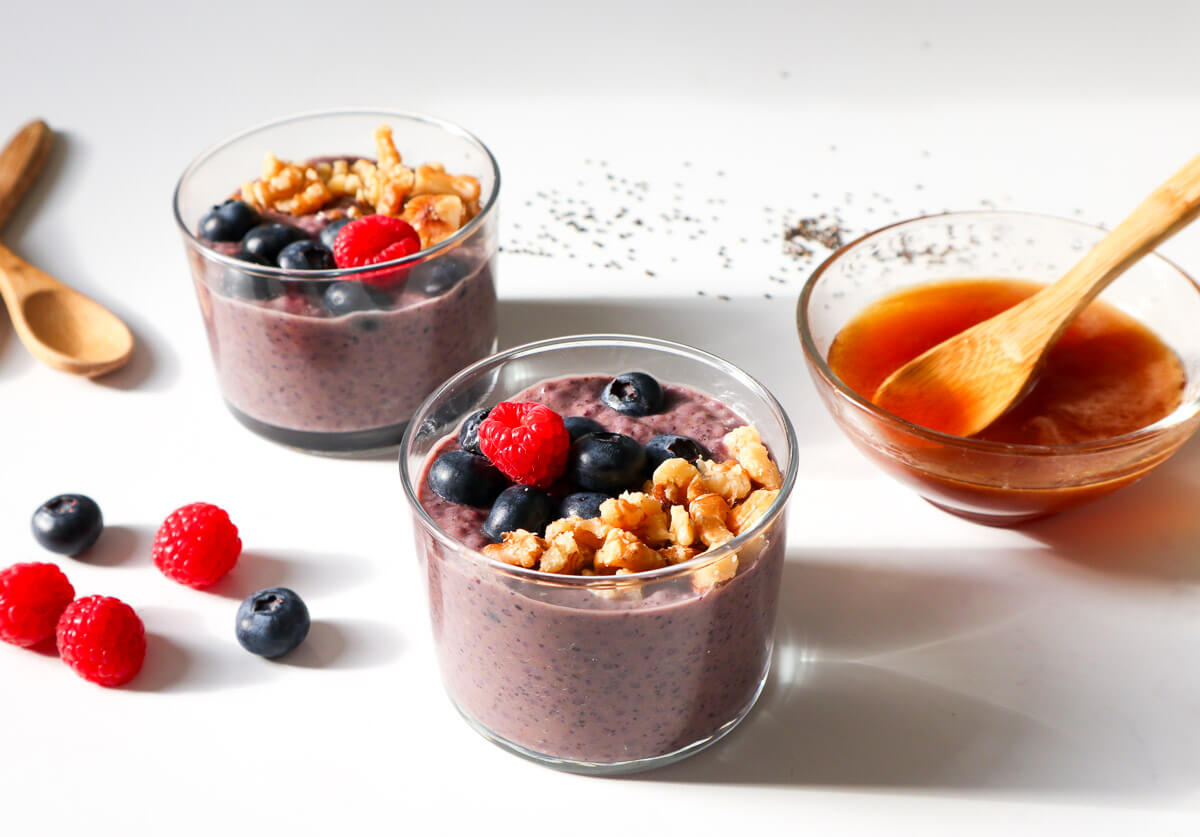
point(963, 384)
point(58, 325)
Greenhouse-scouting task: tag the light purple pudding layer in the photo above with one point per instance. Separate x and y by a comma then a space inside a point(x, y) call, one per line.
point(285, 363)
point(592, 675)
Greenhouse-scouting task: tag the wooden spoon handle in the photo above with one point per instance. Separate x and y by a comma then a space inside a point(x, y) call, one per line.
point(1164, 212)
point(20, 161)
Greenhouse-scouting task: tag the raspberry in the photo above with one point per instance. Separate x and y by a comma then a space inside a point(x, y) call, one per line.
point(375, 239)
point(102, 640)
point(196, 545)
point(527, 442)
point(32, 597)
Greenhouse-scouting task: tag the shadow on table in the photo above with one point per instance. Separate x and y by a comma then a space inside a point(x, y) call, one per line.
point(891, 678)
point(1149, 531)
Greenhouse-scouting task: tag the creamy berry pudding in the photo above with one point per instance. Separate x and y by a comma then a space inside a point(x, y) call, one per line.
point(599, 520)
point(339, 289)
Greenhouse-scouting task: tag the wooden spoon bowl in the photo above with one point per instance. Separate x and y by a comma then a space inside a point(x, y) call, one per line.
point(58, 325)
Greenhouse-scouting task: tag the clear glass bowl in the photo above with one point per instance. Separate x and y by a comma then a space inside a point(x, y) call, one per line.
point(991, 482)
point(287, 367)
point(601, 674)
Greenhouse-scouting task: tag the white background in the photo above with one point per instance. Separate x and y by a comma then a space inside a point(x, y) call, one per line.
point(935, 677)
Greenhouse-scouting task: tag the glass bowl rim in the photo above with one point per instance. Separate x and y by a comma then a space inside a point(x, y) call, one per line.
point(1182, 414)
point(195, 242)
point(600, 582)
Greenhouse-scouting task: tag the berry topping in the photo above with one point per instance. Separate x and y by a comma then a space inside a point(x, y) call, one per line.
point(519, 507)
point(606, 462)
point(102, 639)
point(581, 426)
point(439, 275)
point(462, 477)
point(272, 622)
point(468, 433)
point(373, 240)
point(305, 254)
point(528, 442)
point(633, 394)
point(672, 446)
point(264, 243)
point(330, 233)
point(32, 597)
point(196, 545)
point(585, 504)
point(229, 221)
point(67, 524)
point(348, 297)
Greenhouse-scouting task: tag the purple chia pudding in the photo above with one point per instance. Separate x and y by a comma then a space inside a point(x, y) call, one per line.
point(330, 359)
point(630, 672)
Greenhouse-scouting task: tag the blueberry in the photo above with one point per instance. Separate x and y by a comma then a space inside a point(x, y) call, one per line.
point(242, 285)
point(672, 446)
point(633, 394)
point(229, 221)
point(606, 462)
point(305, 254)
point(347, 297)
point(67, 524)
point(519, 507)
point(272, 622)
point(468, 433)
point(266, 240)
point(581, 426)
point(585, 504)
point(330, 233)
point(438, 275)
point(462, 477)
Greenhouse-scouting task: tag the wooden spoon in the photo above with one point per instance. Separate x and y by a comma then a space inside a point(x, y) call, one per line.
point(60, 326)
point(963, 384)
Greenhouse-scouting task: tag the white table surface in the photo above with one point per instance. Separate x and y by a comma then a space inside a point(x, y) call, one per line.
point(934, 677)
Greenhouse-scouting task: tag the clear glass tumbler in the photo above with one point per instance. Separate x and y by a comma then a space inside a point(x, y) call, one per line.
point(602, 674)
point(992, 482)
point(291, 369)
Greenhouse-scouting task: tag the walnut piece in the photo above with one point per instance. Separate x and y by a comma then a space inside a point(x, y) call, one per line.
point(745, 515)
point(435, 217)
point(638, 513)
point(708, 512)
point(729, 479)
point(624, 551)
point(747, 448)
point(519, 548)
point(713, 574)
point(670, 481)
point(682, 531)
point(564, 555)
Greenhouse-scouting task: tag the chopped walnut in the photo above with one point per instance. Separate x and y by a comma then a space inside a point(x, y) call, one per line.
point(670, 481)
point(683, 532)
point(624, 551)
point(519, 548)
point(386, 186)
point(745, 515)
point(708, 512)
point(677, 554)
point(565, 555)
point(747, 448)
point(431, 179)
point(729, 479)
point(713, 574)
point(589, 534)
point(638, 513)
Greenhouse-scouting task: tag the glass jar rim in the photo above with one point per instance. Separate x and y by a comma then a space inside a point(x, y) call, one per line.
point(1183, 413)
point(283, 274)
point(684, 568)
